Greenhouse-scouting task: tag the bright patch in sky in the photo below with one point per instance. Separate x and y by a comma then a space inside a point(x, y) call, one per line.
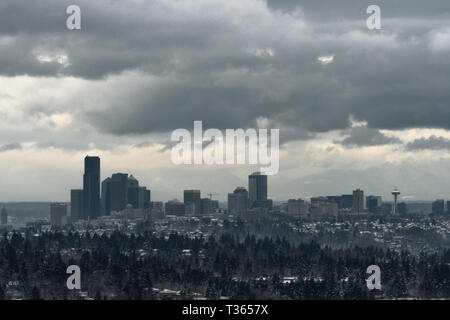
point(262, 52)
point(325, 59)
point(61, 59)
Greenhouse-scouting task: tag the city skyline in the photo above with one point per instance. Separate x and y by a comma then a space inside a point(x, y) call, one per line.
point(122, 195)
point(122, 192)
point(221, 197)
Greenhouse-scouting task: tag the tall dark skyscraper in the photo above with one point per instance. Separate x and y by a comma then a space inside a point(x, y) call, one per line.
point(257, 188)
point(76, 204)
point(346, 201)
point(4, 216)
point(238, 200)
point(192, 200)
point(438, 206)
point(133, 192)
point(114, 193)
point(358, 201)
point(91, 188)
point(373, 203)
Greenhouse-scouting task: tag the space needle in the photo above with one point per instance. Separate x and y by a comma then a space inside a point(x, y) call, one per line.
point(395, 193)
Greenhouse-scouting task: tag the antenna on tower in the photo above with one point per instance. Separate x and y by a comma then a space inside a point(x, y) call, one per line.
point(211, 195)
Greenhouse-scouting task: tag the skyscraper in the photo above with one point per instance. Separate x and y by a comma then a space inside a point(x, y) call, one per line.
point(91, 188)
point(144, 198)
point(4, 217)
point(257, 188)
point(208, 205)
point(175, 207)
point(346, 201)
point(358, 201)
point(157, 209)
point(114, 193)
point(76, 204)
point(148, 199)
point(373, 203)
point(58, 214)
point(238, 200)
point(133, 192)
point(438, 206)
point(192, 200)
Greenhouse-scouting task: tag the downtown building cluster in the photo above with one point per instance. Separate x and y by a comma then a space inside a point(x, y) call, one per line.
point(115, 195)
point(121, 196)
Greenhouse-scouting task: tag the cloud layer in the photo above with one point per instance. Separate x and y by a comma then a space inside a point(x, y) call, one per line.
point(139, 69)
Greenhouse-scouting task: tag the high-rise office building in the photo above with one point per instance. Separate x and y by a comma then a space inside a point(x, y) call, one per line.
point(373, 204)
point(358, 201)
point(4, 217)
point(238, 200)
point(91, 188)
point(58, 214)
point(192, 200)
point(76, 205)
point(438, 206)
point(143, 198)
point(115, 193)
point(335, 199)
point(208, 205)
point(257, 189)
point(133, 192)
point(103, 193)
point(299, 206)
point(175, 207)
point(346, 201)
point(157, 209)
point(148, 199)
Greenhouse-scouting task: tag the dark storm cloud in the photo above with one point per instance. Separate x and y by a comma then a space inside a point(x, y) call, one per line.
point(325, 10)
point(231, 64)
point(431, 143)
point(11, 146)
point(363, 136)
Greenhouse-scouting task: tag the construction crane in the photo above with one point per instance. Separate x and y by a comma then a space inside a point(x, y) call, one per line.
point(211, 195)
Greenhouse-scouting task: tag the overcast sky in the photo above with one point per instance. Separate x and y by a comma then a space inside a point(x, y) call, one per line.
point(356, 108)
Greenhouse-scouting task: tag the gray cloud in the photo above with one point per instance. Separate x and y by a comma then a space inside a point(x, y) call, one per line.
point(431, 143)
point(362, 136)
point(139, 69)
point(324, 10)
point(11, 146)
point(202, 67)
